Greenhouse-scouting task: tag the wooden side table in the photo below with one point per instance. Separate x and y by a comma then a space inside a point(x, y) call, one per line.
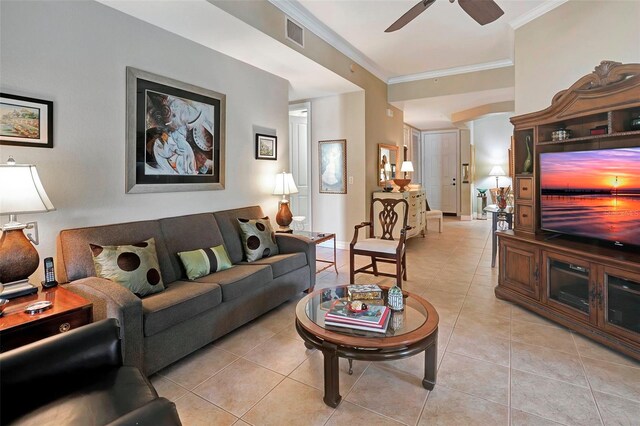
point(18, 328)
point(319, 237)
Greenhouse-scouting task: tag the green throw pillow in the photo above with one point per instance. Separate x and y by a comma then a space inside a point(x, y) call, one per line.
point(199, 263)
point(258, 238)
point(134, 267)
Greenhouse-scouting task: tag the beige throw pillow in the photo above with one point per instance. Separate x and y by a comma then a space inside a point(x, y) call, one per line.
point(258, 238)
point(134, 266)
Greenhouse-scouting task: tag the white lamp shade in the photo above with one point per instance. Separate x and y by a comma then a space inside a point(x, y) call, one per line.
point(407, 166)
point(285, 184)
point(21, 190)
point(497, 171)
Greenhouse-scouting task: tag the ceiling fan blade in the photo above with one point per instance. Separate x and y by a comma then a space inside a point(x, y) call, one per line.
point(482, 11)
point(410, 15)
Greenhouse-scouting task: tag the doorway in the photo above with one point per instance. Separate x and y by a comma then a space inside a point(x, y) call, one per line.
point(300, 161)
point(440, 169)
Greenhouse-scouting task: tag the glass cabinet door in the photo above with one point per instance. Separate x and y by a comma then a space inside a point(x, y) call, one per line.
point(570, 286)
point(622, 307)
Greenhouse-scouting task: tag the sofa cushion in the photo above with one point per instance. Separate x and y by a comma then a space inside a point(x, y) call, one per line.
point(258, 238)
point(230, 229)
point(74, 260)
point(190, 232)
point(201, 262)
point(282, 263)
point(239, 280)
point(134, 267)
point(182, 300)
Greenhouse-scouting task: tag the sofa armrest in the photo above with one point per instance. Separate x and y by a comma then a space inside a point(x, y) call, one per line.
point(159, 412)
point(288, 243)
point(111, 300)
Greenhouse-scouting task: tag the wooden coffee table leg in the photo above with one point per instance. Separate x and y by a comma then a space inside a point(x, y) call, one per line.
point(431, 363)
point(331, 379)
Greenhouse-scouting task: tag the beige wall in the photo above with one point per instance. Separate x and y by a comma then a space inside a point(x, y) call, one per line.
point(75, 54)
point(555, 50)
point(379, 128)
point(339, 117)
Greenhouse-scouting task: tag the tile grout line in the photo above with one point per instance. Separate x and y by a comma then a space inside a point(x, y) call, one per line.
point(586, 376)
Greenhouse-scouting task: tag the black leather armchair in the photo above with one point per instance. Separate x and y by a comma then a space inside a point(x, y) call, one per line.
point(77, 378)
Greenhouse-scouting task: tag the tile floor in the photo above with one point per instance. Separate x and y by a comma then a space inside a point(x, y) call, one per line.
point(498, 364)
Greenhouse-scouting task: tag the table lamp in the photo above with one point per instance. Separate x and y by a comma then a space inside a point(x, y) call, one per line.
point(22, 192)
point(284, 186)
point(497, 171)
point(407, 166)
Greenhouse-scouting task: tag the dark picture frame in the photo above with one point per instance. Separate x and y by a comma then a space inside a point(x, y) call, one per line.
point(266, 147)
point(26, 121)
point(332, 157)
point(175, 135)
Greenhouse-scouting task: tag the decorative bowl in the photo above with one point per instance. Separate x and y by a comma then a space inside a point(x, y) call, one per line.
point(363, 308)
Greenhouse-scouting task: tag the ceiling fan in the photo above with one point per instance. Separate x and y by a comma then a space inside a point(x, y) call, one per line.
point(482, 11)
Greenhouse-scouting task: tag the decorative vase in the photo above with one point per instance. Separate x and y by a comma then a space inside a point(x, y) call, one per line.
point(528, 163)
point(503, 194)
point(394, 298)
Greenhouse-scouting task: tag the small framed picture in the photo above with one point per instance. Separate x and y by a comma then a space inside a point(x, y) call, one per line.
point(26, 121)
point(266, 147)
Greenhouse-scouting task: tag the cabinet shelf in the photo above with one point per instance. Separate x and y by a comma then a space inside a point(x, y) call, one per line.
point(591, 137)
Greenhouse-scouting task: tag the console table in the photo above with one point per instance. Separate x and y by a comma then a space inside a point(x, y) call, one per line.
point(498, 217)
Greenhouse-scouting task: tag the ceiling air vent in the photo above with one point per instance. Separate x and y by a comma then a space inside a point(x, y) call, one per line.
point(294, 32)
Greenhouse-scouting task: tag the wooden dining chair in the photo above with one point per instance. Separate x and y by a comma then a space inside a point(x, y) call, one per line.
point(383, 248)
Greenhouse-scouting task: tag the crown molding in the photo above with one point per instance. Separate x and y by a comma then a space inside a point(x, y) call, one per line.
point(303, 17)
point(545, 7)
point(452, 71)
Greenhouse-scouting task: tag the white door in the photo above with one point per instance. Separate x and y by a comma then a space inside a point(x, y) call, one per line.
point(439, 170)
point(300, 163)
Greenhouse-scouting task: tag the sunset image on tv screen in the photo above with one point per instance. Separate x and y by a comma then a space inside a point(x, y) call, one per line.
point(592, 194)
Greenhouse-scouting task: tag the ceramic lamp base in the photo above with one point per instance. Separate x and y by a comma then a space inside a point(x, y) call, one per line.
point(284, 217)
point(402, 183)
point(18, 257)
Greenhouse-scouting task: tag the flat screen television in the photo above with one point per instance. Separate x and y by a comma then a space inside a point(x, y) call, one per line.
point(592, 194)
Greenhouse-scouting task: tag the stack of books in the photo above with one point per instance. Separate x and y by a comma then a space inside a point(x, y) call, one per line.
point(375, 318)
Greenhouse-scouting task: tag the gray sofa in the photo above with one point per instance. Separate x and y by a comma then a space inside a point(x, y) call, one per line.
point(164, 327)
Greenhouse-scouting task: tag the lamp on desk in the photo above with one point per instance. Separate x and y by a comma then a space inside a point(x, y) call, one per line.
point(284, 186)
point(407, 166)
point(22, 192)
point(497, 171)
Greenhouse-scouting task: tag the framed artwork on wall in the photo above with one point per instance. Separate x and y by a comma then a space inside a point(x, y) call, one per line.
point(266, 147)
point(26, 121)
point(175, 135)
point(333, 166)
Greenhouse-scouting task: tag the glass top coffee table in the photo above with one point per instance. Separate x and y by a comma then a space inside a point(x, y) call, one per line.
point(410, 331)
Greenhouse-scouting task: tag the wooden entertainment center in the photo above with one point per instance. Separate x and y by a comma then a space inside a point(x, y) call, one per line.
point(590, 287)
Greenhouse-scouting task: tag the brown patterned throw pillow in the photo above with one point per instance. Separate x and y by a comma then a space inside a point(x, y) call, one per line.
point(134, 266)
point(258, 238)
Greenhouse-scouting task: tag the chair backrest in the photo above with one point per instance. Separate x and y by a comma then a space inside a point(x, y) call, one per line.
point(391, 210)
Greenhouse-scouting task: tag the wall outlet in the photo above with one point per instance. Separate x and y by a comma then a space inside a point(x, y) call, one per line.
point(350, 180)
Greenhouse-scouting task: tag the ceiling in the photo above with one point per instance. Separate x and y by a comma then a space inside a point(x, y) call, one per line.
point(210, 26)
point(443, 40)
point(435, 113)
